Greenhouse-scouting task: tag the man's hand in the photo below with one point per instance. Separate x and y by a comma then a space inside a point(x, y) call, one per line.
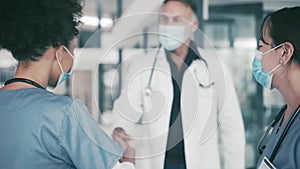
point(122, 138)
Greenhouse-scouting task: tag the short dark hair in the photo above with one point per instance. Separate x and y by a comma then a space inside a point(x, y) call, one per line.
point(191, 3)
point(284, 26)
point(29, 27)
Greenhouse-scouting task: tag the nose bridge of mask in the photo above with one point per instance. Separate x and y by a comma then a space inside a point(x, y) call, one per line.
point(258, 54)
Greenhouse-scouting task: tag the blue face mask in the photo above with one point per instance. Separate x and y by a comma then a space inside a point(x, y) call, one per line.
point(64, 75)
point(263, 78)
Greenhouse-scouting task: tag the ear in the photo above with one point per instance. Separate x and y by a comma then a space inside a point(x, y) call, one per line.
point(59, 52)
point(195, 26)
point(288, 51)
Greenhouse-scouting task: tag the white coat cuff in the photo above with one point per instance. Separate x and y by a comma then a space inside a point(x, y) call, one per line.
point(124, 165)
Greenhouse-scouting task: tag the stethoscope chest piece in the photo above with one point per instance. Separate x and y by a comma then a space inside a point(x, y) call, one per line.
point(147, 91)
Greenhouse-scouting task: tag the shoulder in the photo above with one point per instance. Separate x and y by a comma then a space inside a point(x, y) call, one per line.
point(56, 101)
point(78, 123)
point(294, 134)
point(290, 148)
point(54, 106)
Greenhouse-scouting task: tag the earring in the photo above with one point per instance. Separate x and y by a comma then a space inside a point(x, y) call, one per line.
point(281, 61)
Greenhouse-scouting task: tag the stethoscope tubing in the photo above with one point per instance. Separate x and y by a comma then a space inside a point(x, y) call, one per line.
point(148, 88)
point(286, 129)
point(153, 67)
point(261, 148)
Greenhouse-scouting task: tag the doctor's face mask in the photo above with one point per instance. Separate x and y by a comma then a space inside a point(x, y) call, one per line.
point(64, 75)
point(172, 36)
point(263, 78)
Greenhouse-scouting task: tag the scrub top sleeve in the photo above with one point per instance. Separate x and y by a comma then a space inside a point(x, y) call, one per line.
point(84, 142)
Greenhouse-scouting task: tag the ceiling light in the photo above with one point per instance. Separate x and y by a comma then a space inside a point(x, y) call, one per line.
point(90, 21)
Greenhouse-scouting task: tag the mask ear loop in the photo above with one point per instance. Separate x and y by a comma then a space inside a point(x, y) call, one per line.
point(73, 58)
point(68, 51)
point(276, 47)
point(280, 63)
point(275, 68)
point(59, 64)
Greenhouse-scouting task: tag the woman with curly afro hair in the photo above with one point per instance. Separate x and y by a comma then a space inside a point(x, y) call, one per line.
point(40, 129)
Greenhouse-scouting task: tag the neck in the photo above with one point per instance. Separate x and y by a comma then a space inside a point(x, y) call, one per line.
point(37, 71)
point(288, 85)
point(291, 100)
point(179, 55)
point(293, 78)
point(41, 71)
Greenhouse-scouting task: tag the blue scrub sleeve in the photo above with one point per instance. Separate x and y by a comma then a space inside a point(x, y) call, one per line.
point(84, 143)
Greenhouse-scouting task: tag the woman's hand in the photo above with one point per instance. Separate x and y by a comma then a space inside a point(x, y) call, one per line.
point(122, 138)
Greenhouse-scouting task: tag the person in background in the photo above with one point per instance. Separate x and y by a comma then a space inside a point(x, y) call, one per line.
point(171, 128)
point(276, 65)
point(40, 129)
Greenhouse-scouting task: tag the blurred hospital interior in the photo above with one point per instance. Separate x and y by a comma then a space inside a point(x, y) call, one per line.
point(113, 30)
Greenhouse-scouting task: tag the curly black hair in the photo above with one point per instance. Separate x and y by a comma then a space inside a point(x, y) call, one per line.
point(29, 27)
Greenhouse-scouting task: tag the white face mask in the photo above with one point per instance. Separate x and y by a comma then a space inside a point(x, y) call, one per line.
point(172, 36)
point(64, 75)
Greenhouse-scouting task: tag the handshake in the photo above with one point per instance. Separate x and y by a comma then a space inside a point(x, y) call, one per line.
point(122, 138)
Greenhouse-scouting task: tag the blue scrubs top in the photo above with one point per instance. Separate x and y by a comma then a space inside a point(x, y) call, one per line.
point(288, 154)
point(39, 129)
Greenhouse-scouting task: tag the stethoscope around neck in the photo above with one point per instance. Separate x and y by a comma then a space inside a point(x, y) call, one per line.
point(261, 147)
point(148, 90)
point(24, 80)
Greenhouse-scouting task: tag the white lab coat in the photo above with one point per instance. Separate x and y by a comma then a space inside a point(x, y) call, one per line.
point(208, 135)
